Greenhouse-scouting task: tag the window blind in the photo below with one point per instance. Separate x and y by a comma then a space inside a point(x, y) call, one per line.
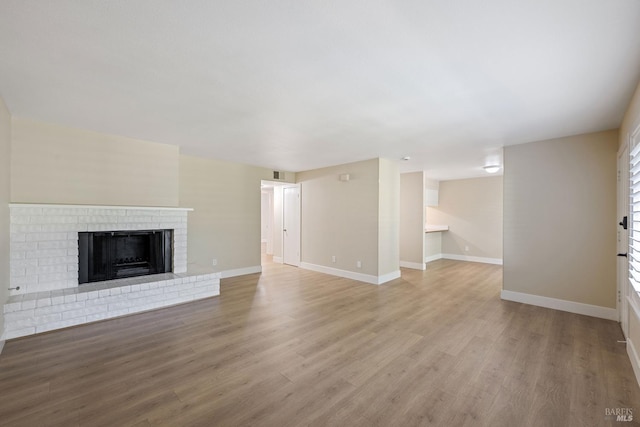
point(634, 232)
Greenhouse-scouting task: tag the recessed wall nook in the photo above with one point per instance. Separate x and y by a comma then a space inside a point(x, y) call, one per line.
point(149, 272)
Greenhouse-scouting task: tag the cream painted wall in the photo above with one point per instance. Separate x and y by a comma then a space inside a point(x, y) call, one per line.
point(341, 218)
point(560, 218)
point(433, 245)
point(56, 164)
point(412, 217)
point(225, 223)
point(472, 208)
point(388, 217)
point(5, 187)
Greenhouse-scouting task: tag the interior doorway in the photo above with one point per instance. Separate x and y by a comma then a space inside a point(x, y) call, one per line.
point(280, 243)
point(266, 223)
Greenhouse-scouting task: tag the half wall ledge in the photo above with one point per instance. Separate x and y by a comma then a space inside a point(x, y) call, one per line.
point(33, 313)
point(59, 206)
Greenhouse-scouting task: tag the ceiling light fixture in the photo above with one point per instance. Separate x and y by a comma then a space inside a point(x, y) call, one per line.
point(491, 168)
point(405, 158)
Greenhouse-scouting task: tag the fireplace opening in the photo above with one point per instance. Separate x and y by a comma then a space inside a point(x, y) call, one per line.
point(119, 254)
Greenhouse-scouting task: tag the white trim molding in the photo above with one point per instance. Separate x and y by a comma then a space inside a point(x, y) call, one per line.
point(2, 342)
point(562, 305)
point(277, 259)
point(634, 358)
point(240, 271)
point(367, 278)
point(432, 258)
point(496, 261)
point(389, 277)
point(413, 265)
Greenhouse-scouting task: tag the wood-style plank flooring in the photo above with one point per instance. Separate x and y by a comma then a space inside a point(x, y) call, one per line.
point(294, 348)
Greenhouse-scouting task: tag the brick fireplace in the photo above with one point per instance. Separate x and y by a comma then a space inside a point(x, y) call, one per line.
point(45, 267)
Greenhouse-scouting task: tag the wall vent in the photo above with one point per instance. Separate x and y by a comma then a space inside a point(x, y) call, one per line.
point(278, 175)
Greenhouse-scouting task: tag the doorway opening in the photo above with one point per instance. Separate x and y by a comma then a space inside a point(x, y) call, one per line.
point(267, 221)
point(280, 223)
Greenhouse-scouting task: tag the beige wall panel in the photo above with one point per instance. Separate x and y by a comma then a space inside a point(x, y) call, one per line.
point(560, 218)
point(389, 217)
point(472, 208)
point(5, 183)
point(225, 223)
point(432, 244)
point(412, 217)
point(56, 164)
point(341, 218)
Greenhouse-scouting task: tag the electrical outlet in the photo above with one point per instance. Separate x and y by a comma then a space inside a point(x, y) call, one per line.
point(214, 262)
point(466, 248)
point(359, 264)
point(333, 258)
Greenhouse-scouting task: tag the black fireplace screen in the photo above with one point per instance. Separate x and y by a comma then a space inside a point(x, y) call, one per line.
point(118, 254)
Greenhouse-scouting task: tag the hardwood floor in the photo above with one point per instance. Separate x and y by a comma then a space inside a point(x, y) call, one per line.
point(292, 348)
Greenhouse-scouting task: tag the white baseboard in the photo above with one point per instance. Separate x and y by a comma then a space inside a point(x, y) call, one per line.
point(241, 271)
point(562, 305)
point(277, 259)
point(412, 265)
point(497, 261)
point(634, 358)
point(389, 277)
point(433, 258)
point(367, 278)
point(1, 345)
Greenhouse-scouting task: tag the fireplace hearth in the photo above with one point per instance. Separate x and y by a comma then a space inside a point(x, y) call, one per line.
point(119, 254)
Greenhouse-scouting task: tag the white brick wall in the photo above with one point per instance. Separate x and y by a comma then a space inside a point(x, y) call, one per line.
point(28, 314)
point(44, 263)
point(44, 239)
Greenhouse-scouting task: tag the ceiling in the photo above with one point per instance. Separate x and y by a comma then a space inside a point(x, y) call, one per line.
point(298, 85)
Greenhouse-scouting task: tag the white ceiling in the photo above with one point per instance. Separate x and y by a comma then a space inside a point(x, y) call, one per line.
point(297, 85)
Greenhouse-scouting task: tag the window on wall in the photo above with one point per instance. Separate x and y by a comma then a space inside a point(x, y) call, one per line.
point(634, 229)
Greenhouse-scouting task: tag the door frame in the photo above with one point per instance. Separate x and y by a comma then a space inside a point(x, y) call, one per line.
point(622, 236)
point(267, 217)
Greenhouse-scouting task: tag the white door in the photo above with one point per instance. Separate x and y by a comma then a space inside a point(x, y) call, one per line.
point(291, 226)
point(623, 236)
